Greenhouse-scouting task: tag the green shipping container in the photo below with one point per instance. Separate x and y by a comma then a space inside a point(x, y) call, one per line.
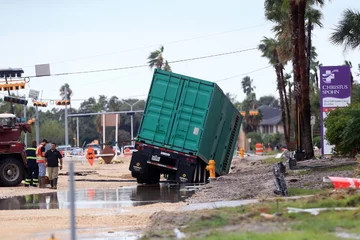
point(191, 116)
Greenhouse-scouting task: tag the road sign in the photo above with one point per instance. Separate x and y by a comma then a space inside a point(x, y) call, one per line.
point(34, 94)
point(42, 70)
point(312, 120)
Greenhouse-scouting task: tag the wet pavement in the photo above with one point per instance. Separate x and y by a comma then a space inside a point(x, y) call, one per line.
point(121, 233)
point(94, 233)
point(101, 198)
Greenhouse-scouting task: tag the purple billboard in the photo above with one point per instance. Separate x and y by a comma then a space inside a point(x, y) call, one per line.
point(335, 91)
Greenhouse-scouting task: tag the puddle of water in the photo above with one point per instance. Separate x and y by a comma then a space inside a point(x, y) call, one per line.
point(212, 205)
point(121, 233)
point(100, 198)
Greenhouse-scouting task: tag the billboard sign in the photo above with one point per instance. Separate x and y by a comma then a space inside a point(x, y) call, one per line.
point(335, 91)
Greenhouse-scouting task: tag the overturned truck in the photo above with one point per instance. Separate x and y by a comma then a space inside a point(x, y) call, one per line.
point(186, 123)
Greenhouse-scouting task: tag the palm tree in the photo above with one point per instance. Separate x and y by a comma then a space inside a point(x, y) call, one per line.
point(247, 85)
point(347, 32)
point(314, 65)
point(348, 63)
point(156, 59)
point(304, 82)
point(69, 91)
point(167, 66)
point(269, 48)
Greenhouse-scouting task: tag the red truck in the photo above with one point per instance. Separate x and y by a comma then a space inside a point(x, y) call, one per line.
point(13, 163)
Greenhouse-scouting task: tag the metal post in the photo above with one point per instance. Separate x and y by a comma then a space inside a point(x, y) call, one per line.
point(11, 104)
point(66, 121)
point(132, 127)
point(25, 136)
point(116, 133)
point(37, 125)
point(312, 133)
point(77, 131)
point(103, 118)
point(72, 200)
point(132, 119)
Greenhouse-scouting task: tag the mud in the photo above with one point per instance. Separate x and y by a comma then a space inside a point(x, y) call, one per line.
point(252, 178)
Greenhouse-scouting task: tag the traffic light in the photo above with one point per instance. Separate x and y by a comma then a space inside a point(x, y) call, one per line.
point(63, 102)
point(31, 121)
point(11, 72)
point(15, 100)
point(253, 112)
point(40, 104)
point(12, 86)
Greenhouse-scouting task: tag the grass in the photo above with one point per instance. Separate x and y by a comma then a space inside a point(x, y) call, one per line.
point(270, 152)
point(272, 160)
point(302, 191)
point(269, 236)
point(214, 224)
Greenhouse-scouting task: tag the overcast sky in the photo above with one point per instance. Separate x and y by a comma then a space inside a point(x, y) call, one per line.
point(83, 35)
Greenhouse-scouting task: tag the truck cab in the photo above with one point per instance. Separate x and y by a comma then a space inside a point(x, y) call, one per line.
point(12, 151)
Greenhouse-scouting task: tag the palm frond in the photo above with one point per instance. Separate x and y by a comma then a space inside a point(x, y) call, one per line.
point(347, 32)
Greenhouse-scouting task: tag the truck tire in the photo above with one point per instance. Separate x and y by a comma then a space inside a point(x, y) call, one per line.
point(151, 176)
point(11, 172)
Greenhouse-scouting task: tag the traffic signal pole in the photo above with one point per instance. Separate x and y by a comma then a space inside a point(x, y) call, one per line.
point(37, 125)
point(66, 121)
point(25, 136)
point(77, 132)
point(71, 176)
point(12, 106)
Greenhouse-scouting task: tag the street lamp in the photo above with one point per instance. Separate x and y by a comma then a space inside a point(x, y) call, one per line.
point(131, 113)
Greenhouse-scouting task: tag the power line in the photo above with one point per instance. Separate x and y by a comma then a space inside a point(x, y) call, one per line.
point(146, 65)
point(150, 46)
point(221, 80)
point(243, 74)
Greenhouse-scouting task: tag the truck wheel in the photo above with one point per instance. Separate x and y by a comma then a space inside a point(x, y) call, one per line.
point(150, 177)
point(11, 172)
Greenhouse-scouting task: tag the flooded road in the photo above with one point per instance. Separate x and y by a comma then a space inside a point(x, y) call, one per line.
point(101, 198)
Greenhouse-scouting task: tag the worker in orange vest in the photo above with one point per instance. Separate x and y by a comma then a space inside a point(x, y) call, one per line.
point(40, 160)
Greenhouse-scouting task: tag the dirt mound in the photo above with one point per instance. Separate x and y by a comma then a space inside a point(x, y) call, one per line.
point(248, 179)
point(254, 178)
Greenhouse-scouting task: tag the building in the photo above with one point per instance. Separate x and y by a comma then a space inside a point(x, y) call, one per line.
point(271, 121)
point(270, 124)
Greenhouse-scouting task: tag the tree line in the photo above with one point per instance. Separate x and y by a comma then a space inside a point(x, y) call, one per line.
point(294, 22)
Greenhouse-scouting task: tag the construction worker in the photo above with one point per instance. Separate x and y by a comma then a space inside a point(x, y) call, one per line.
point(40, 159)
point(52, 158)
point(33, 169)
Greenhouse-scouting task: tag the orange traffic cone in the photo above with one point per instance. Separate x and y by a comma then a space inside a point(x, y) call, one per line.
point(127, 152)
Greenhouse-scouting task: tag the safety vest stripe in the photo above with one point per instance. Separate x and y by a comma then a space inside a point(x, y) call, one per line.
point(29, 157)
point(31, 149)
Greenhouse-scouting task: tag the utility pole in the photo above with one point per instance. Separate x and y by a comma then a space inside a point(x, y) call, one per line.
point(25, 136)
point(37, 132)
point(77, 131)
point(116, 133)
point(11, 105)
point(103, 129)
point(71, 174)
point(66, 120)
